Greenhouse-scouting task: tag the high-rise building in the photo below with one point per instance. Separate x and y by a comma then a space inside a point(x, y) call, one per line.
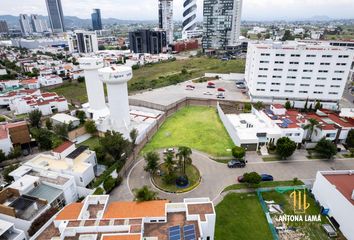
point(147, 41)
point(38, 25)
point(83, 42)
point(166, 18)
point(3, 27)
point(222, 23)
point(25, 23)
point(96, 19)
point(189, 17)
point(55, 14)
point(297, 71)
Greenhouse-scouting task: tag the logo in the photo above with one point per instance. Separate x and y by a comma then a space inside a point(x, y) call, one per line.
point(300, 203)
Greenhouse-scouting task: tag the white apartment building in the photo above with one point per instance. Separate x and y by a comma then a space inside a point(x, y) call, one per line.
point(166, 18)
point(10, 232)
point(77, 162)
point(296, 71)
point(194, 218)
point(334, 190)
point(83, 42)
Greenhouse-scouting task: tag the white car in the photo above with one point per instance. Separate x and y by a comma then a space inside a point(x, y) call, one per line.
point(207, 93)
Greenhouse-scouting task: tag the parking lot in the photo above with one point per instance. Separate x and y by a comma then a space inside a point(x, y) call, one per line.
point(171, 94)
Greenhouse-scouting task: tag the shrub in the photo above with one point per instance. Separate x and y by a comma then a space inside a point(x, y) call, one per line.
point(238, 152)
point(98, 191)
point(285, 147)
point(109, 184)
point(7, 171)
point(2, 119)
point(90, 127)
point(252, 178)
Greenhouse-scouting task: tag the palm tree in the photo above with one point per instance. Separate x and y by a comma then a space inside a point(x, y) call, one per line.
point(169, 162)
point(311, 127)
point(144, 194)
point(183, 155)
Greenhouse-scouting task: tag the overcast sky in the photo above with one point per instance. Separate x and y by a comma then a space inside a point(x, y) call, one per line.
point(147, 9)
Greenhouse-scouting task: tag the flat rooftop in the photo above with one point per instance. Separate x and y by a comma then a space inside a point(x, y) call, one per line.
point(344, 184)
point(46, 192)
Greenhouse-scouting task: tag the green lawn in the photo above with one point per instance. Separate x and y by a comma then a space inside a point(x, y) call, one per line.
point(195, 127)
point(264, 184)
point(92, 143)
point(160, 75)
point(240, 216)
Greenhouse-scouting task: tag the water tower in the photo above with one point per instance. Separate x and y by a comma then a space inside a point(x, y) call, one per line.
point(94, 86)
point(116, 79)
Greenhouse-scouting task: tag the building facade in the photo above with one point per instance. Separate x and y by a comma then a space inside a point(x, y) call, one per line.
point(38, 25)
point(56, 16)
point(298, 72)
point(189, 18)
point(222, 23)
point(96, 19)
point(148, 41)
point(83, 42)
point(3, 27)
point(25, 23)
point(166, 18)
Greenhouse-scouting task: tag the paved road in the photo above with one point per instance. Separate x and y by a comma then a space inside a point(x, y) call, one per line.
point(174, 93)
point(216, 176)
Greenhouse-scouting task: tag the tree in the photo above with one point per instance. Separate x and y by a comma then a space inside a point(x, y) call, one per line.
point(101, 47)
point(43, 138)
point(259, 36)
point(7, 170)
point(109, 184)
point(81, 116)
point(152, 161)
point(133, 135)
point(318, 105)
point(169, 162)
point(61, 130)
point(350, 139)
point(15, 152)
point(35, 118)
point(81, 79)
point(287, 36)
point(144, 194)
point(252, 178)
point(247, 107)
point(287, 105)
point(285, 147)
point(90, 127)
point(238, 152)
point(184, 71)
point(49, 124)
point(98, 191)
point(115, 145)
point(183, 155)
point(2, 155)
point(258, 105)
point(326, 148)
point(313, 123)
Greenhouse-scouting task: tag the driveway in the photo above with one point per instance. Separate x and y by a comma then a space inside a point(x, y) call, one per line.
point(216, 176)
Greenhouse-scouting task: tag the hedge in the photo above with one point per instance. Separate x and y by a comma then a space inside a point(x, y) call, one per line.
point(98, 191)
point(117, 165)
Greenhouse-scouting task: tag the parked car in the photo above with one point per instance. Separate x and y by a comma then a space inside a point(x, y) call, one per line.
point(236, 164)
point(240, 179)
point(210, 86)
point(169, 150)
point(221, 89)
point(241, 86)
point(190, 86)
point(220, 95)
point(266, 177)
point(207, 93)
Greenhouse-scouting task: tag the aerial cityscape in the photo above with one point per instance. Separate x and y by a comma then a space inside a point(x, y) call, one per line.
point(176, 120)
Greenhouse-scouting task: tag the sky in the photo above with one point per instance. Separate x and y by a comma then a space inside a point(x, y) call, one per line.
point(147, 9)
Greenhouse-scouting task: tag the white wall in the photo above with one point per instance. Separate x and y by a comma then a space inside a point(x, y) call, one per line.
point(5, 145)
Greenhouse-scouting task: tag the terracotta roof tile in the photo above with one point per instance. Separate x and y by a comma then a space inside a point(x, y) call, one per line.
point(344, 184)
point(70, 212)
point(63, 147)
point(122, 237)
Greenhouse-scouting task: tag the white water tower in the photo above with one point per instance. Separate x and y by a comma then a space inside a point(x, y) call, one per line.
point(94, 86)
point(116, 79)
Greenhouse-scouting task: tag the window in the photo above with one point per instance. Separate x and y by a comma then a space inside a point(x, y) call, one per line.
point(290, 84)
point(338, 71)
point(316, 92)
point(306, 78)
point(295, 55)
point(330, 135)
point(274, 90)
point(289, 91)
point(297, 134)
point(333, 93)
point(323, 71)
point(81, 179)
point(260, 90)
point(343, 56)
point(292, 70)
point(264, 61)
point(277, 84)
point(321, 78)
point(307, 70)
point(304, 85)
point(319, 85)
point(302, 91)
point(280, 55)
point(261, 83)
point(263, 69)
point(309, 63)
point(294, 63)
point(310, 55)
point(337, 79)
point(262, 76)
point(278, 69)
point(291, 77)
point(279, 62)
point(276, 76)
point(326, 56)
point(325, 64)
point(335, 86)
point(265, 54)
point(341, 64)
point(288, 134)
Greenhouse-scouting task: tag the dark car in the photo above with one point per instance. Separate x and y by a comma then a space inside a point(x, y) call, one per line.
point(266, 177)
point(240, 179)
point(211, 86)
point(236, 164)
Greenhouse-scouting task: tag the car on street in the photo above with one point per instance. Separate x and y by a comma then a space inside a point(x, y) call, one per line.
point(220, 95)
point(207, 93)
point(221, 89)
point(169, 150)
point(241, 86)
point(236, 164)
point(190, 86)
point(266, 177)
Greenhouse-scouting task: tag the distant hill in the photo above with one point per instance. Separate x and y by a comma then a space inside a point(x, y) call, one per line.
point(72, 21)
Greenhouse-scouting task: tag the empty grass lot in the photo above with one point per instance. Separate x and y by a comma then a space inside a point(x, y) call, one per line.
point(195, 127)
point(239, 216)
point(160, 75)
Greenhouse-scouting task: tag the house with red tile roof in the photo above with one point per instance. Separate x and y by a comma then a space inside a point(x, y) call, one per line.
point(6, 98)
point(31, 83)
point(334, 190)
point(97, 218)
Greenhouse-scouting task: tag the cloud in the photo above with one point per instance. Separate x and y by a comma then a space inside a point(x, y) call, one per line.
point(147, 9)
